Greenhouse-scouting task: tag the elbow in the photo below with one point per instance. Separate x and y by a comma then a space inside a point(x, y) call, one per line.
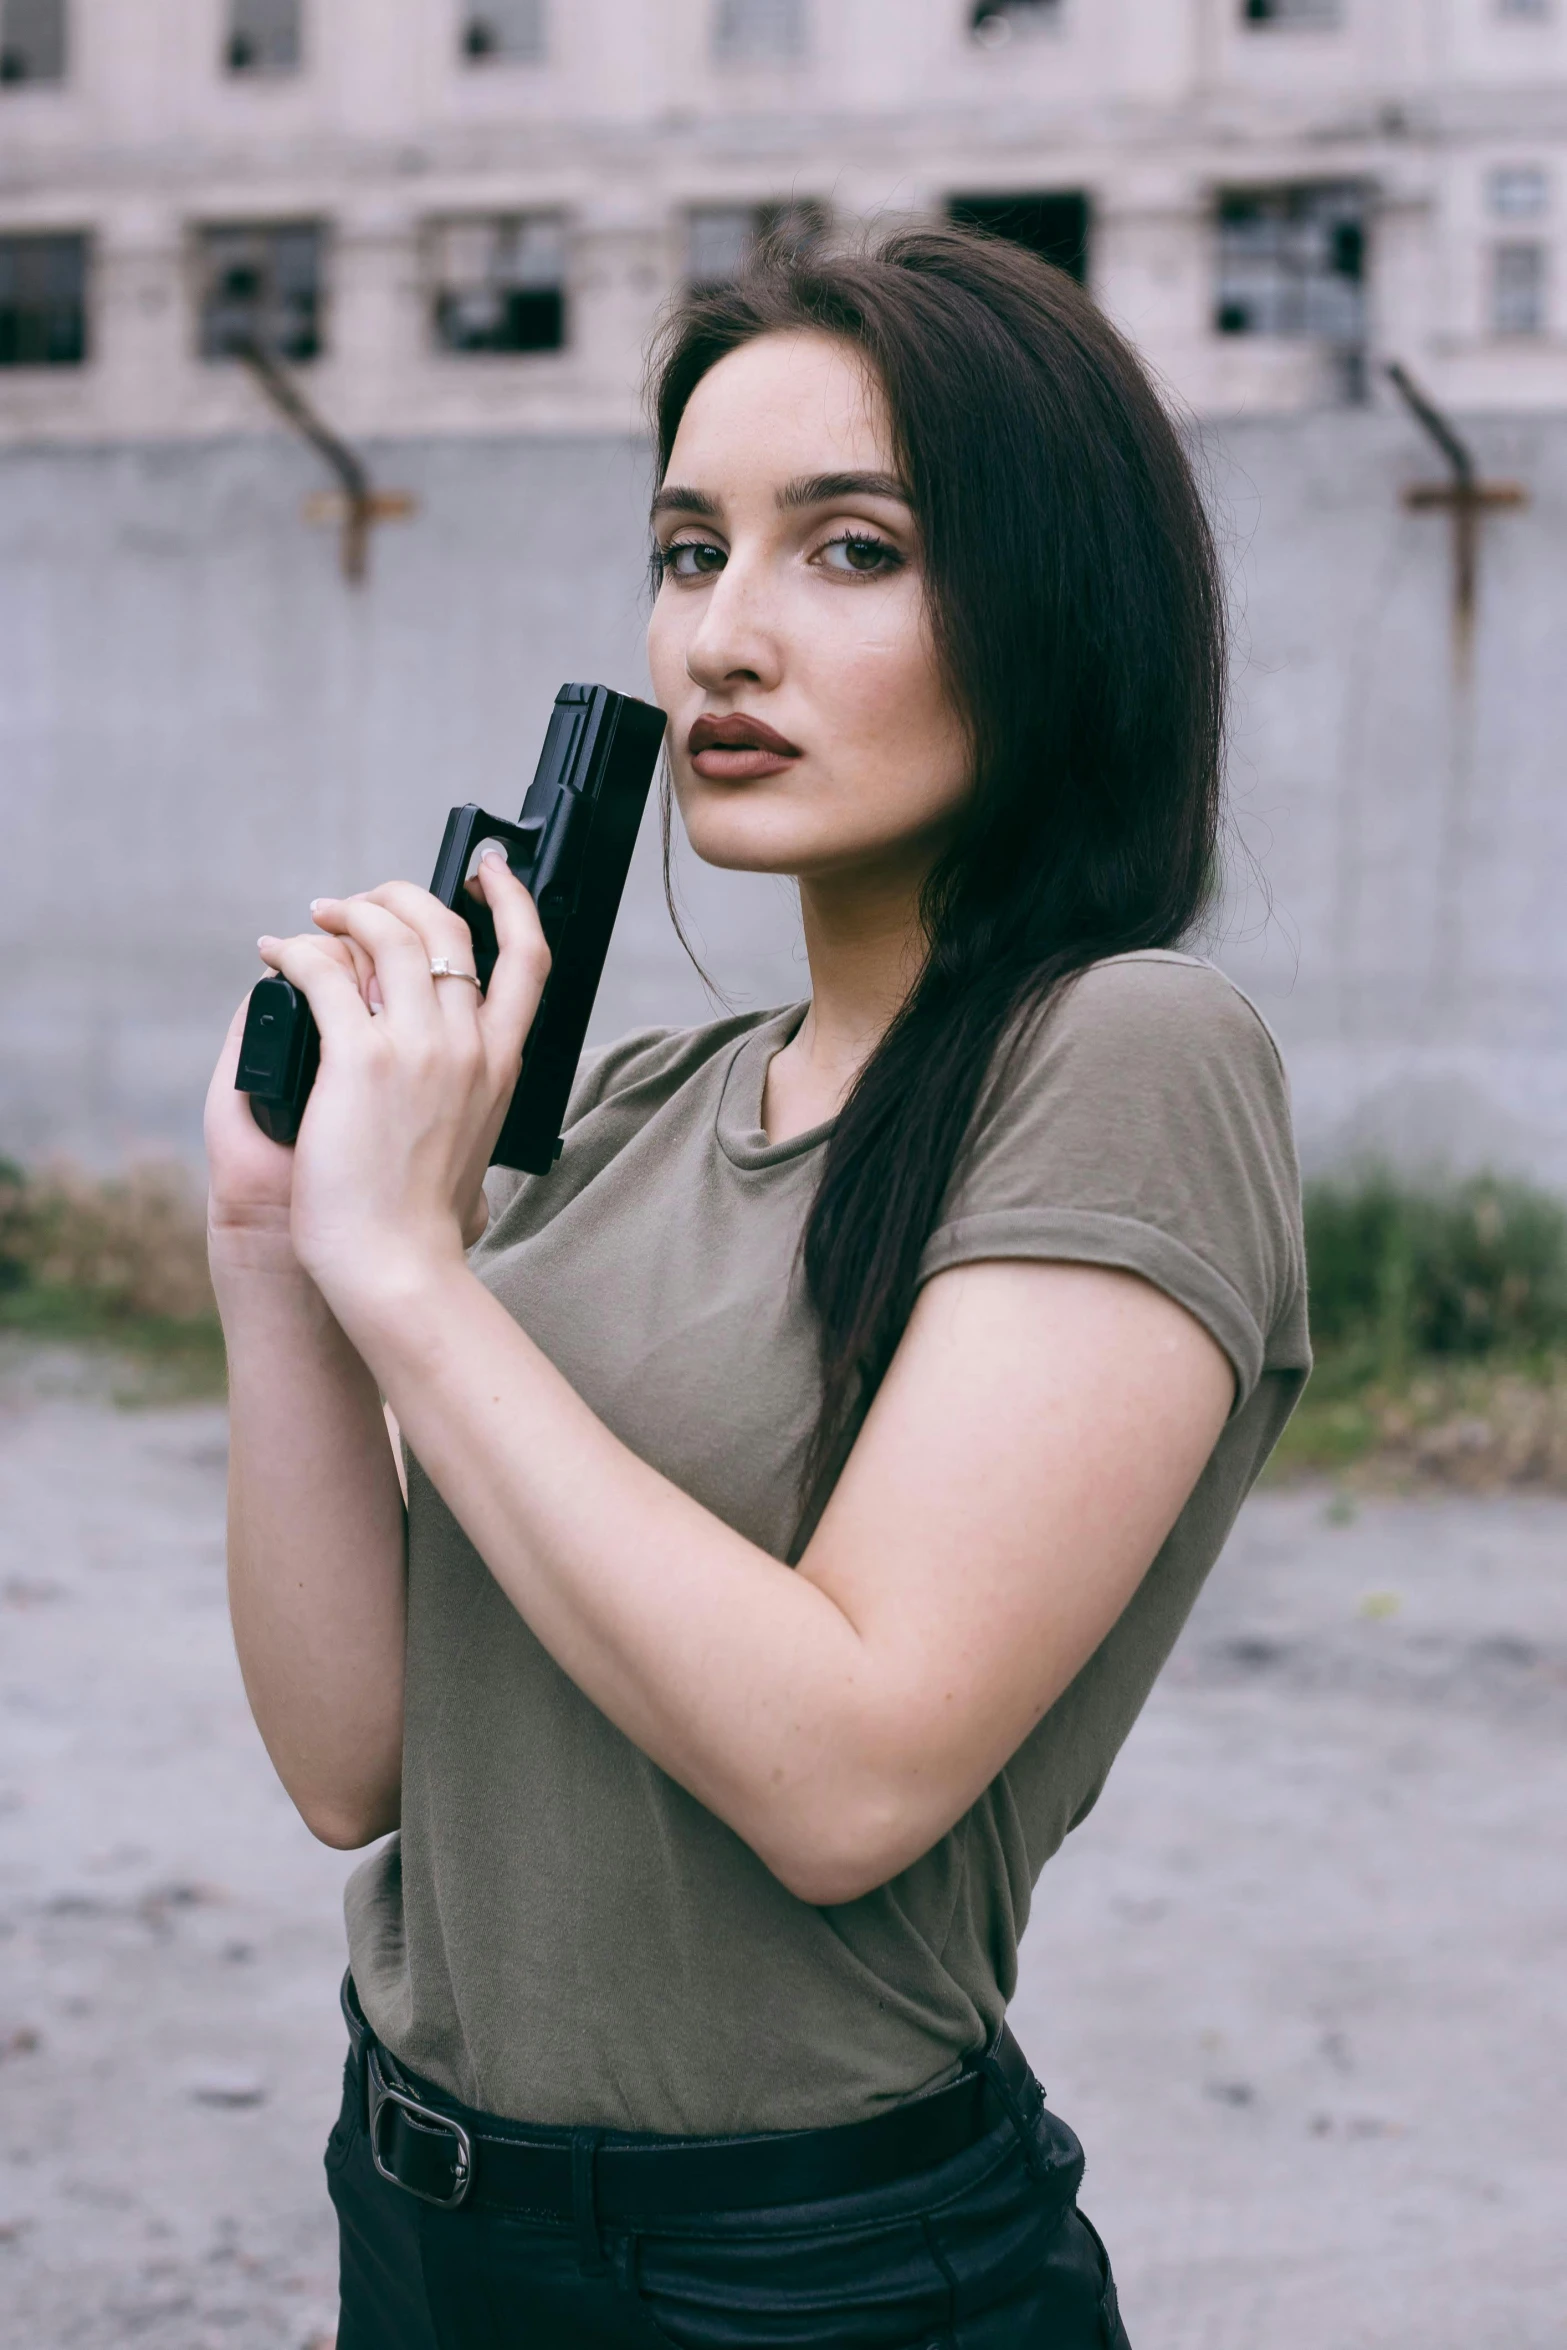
point(346, 1827)
point(837, 1854)
point(827, 1882)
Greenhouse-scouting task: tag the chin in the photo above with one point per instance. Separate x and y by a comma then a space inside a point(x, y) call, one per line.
point(745, 829)
point(749, 829)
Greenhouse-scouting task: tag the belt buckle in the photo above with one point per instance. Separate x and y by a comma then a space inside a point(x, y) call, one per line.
point(382, 2094)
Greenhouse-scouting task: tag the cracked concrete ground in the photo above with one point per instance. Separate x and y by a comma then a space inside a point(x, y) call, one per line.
point(1300, 1984)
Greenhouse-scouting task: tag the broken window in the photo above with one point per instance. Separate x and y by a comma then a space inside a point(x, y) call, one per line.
point(758, 32)
point(994, 22)
point(263, 36)
point(721, 238)
point(503, 31)
point(1518, 290)
point(32, 40)
point(1292, 262)
point(1312, 14)
point(262, 283)
point(43, 301)
point(1054, 225)
point(500, 284)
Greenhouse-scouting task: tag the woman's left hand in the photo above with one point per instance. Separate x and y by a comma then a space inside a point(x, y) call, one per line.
point(415, 1078)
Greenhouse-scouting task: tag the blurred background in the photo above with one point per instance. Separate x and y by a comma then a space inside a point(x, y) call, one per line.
point(322, 326)
point(454, 222)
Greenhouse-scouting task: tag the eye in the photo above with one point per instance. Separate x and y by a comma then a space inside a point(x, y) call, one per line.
point(857, 555)
point(691, 559)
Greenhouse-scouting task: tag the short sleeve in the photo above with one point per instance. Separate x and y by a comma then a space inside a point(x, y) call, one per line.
point(1144, 1123)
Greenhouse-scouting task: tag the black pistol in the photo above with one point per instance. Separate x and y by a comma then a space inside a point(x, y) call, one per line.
point(570, 848)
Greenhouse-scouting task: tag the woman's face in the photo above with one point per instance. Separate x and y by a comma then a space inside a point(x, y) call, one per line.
point(810, 731)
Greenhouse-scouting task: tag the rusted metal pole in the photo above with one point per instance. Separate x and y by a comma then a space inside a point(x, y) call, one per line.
point(361, 505)
point(1466, 497)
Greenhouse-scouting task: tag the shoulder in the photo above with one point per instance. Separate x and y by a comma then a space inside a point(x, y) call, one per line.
point(1153, 1053)
point(1150, 1004)
point(1142, 1119)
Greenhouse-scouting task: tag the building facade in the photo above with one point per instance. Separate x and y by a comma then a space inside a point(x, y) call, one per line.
point(451, 224)
point(463, 215)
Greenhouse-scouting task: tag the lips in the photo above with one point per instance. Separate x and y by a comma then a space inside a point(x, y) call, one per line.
point(737, 748)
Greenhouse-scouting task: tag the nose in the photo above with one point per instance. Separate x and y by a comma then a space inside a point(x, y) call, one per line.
point(736, 639)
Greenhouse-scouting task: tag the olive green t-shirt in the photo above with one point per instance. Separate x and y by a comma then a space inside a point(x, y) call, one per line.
point(560, 1933)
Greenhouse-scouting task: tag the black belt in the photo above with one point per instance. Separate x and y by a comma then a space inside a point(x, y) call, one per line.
point(448, 2155)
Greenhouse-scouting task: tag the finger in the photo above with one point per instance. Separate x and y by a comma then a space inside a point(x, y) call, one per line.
point(446, 938)
point(523, 963)
point(442, 931)
point(398, 955)
point(360, 963)
point(323, 976)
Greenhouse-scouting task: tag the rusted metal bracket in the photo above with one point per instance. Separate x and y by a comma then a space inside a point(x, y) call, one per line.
point(357, 504)
point(1466, 497)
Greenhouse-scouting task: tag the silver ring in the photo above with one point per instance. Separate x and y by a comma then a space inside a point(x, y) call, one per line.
point(441, 968)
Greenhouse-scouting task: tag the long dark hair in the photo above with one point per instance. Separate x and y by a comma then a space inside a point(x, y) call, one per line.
point(1078, 615)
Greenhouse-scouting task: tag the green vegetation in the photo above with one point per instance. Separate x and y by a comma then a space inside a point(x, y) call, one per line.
point(119, 1264)
point(1439, 1319)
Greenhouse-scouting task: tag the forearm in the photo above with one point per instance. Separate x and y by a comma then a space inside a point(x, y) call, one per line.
point(739, 1677)
point(316, 1547)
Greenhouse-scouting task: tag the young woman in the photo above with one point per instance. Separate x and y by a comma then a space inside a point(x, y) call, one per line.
point(808, 1477)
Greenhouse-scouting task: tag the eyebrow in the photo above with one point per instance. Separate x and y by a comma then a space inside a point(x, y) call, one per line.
point(676, 500)
point(822, 489)
point(816, 489)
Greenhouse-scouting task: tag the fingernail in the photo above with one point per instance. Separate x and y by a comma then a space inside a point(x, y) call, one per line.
point(493, 857)
point(317, 903)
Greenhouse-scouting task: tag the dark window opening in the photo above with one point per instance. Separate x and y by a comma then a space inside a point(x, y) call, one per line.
point(759, 32)
point(1315, 15)
point(498, 30)
point(32, 41)
point(1518, 290)
point(722, 238)
point(993, 22)
point(500, 284)
point(262, 283)
point(263, 36)
point(1053, 226)
point(43, 301)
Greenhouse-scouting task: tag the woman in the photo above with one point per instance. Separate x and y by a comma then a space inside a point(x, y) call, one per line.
point(808, 1477)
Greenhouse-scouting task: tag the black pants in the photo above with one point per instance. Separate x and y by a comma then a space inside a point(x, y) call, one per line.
point(977, 2253)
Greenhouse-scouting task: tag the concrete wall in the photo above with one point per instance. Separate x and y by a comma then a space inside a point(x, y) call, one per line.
point(1404, 931)
point(201, 727)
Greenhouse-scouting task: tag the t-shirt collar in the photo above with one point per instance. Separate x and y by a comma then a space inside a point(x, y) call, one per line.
point(741, 1136)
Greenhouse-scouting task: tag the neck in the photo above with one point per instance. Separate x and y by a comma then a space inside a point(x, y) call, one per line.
point(864, 944)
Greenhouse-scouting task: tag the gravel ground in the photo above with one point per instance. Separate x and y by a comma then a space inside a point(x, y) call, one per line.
point(1301, 1983)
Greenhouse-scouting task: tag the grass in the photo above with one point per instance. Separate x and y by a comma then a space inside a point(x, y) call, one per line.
point(115, 1265)
point(1439, 1320)
point(1478, 1425)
